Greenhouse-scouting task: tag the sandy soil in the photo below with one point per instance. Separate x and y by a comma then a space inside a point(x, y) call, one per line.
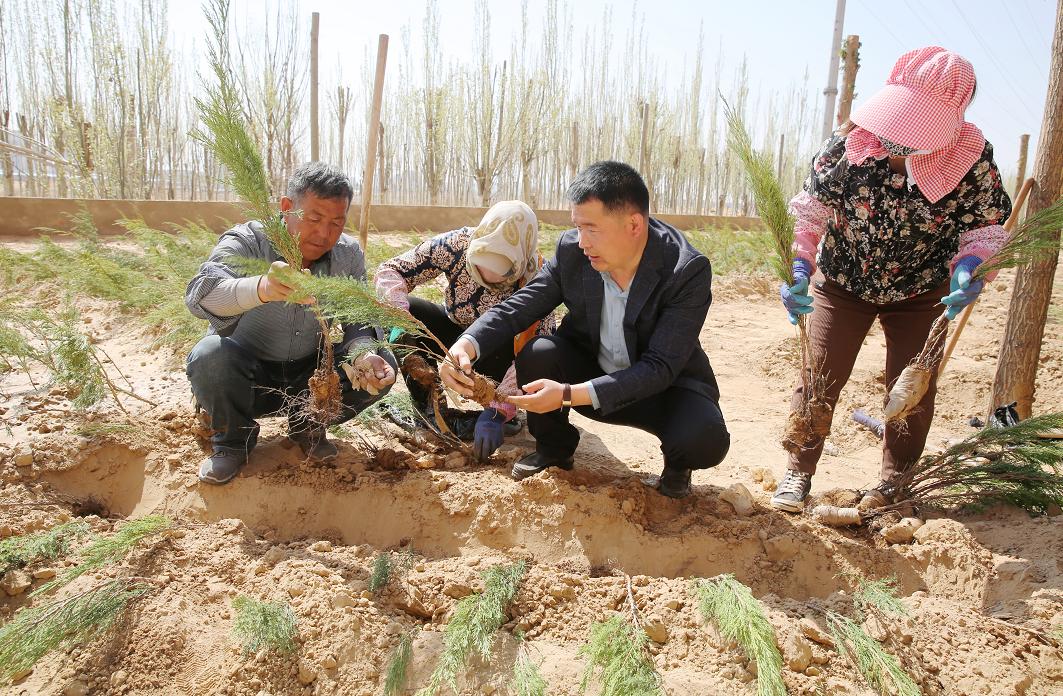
point(286, 529)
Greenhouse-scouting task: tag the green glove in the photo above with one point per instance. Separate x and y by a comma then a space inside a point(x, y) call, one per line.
point(394, 335)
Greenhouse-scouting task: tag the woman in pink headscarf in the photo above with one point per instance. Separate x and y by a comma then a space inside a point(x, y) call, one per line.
point(900, 207)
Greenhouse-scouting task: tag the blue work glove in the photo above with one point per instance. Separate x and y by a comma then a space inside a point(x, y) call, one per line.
point(394, 335)
point(962, 291)
point(795, 297)
point(488, 435)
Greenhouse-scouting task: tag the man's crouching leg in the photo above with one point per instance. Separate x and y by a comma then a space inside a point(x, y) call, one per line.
point(222, 375)
point(549, 357)
point(694, 436)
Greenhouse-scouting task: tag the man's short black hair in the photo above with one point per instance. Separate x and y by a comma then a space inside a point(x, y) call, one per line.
point(617, 185)
point(320, 179)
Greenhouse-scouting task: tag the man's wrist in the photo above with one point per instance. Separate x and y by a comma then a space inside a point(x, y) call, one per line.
point(473, 345)
point(566, 396)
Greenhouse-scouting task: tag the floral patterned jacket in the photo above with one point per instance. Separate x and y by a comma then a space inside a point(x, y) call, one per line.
point(464, 299)
point(882, 240)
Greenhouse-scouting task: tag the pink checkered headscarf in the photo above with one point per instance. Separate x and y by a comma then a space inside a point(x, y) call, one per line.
point(922, 107)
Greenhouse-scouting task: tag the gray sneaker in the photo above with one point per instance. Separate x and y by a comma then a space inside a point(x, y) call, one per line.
point(222, 465)
point(314, 444)
point(791, 493)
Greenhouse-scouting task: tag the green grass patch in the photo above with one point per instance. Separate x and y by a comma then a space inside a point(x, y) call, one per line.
point(109, 549)
point(20, 551)
point(738, 615)
point(103, 431)
point(616, 654)
point(474, 623)
point(398, 665)
point(264, 625)
point(65, 624)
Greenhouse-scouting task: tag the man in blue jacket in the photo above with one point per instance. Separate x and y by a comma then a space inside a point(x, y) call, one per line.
point(627, 352)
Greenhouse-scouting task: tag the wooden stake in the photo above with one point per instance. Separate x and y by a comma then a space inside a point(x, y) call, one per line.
point(1024, 145)
point(314, 140)
point(852, 64)
point(381, 156)
point(643, 143)
point(1020, 348)
point(778, 160)
point(573, 158)
point(374, 125)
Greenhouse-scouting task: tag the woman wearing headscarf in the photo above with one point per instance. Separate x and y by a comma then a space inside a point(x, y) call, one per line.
point(901, 206)
point(483, 266)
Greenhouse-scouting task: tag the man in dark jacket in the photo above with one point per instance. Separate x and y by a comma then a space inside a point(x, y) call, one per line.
point(260, 351)
point(627, 352)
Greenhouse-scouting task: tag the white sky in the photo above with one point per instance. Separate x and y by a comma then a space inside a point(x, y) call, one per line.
point(1008, 41)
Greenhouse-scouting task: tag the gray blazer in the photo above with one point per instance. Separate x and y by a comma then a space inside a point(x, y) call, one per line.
point(666, 307)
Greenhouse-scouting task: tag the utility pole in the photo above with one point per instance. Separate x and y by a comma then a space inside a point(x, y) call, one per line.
point(371, 145)
point(852, 64)
point(315, 150)
point(1020, 348)
point(831, 92)
point(1020, 177)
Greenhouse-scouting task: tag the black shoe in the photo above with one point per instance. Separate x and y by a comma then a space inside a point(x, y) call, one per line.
point(532, 464)
point(463, 424)
point(314, 444)
point(513, 427)
point(674, 483)
point(405, 421)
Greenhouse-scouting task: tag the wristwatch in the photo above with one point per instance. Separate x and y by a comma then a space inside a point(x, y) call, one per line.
point(566, 396)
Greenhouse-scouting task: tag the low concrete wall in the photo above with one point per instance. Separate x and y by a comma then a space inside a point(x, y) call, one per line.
point(21, 217)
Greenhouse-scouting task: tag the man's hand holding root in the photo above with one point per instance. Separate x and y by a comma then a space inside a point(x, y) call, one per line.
point(456, 373)
point(370, 373)
point(540, 396)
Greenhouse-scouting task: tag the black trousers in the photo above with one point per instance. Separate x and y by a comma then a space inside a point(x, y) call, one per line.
point(235, 388)
point(689, 425)
point(435, 318)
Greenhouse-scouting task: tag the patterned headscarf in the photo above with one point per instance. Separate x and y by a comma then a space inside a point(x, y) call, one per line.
point(921, 110)
point(507, 242)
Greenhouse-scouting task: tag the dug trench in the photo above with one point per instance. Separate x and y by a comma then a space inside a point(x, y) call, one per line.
point(591, 520)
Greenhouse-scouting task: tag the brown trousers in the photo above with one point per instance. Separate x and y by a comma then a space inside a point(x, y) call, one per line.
point(837, 329)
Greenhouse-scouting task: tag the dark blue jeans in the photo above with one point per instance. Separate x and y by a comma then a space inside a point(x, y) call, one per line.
point(234, 387)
